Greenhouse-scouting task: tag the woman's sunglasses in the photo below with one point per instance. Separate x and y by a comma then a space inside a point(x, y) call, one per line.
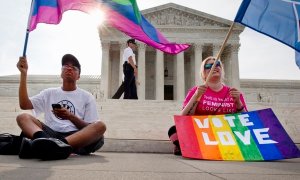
point(208, 66)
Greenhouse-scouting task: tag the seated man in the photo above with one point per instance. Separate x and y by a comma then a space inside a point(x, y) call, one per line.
point(71, 120)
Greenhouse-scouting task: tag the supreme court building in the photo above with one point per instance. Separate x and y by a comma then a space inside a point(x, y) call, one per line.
point(168, 77)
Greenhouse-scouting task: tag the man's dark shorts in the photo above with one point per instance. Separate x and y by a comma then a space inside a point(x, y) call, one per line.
point(82, 151)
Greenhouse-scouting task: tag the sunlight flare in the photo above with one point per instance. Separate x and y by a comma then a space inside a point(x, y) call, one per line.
point(98, 17)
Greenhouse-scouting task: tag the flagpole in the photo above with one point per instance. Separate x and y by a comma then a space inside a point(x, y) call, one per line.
point(25, 44)
point(219, 53)
point(190, 109)
point(27, 30)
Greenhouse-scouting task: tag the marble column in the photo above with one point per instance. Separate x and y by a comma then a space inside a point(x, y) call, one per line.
point(104, 87)
point(159, 75)
point(141, 71)
point(198, 60)
point(180, 84)
point(216, 49)
point(226, 61)
point(122, 47)
point(235, 77)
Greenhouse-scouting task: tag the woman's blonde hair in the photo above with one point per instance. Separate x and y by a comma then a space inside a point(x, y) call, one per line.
point(202, 69)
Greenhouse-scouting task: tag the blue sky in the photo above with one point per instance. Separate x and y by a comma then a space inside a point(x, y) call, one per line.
point(260, 57)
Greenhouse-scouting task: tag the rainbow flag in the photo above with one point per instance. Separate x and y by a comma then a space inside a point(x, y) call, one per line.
point(249, 136)
point(123, 15)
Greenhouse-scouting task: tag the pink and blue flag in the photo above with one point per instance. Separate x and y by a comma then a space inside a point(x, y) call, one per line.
point(123, 15)
point(278, 19)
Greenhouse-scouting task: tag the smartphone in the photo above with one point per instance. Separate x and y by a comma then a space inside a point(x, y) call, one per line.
point(56, 106)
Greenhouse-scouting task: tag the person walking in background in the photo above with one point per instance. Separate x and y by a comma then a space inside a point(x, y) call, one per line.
point(71, 123)
point(130, 71)
point(128, 86)
point(215, 97)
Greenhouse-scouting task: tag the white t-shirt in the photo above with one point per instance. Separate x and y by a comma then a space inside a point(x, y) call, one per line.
point(79, 102)
point(127, 53)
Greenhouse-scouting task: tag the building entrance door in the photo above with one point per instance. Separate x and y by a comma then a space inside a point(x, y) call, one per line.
point(168, 92)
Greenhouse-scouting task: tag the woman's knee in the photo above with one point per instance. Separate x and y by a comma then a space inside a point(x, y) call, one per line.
point(172, 131)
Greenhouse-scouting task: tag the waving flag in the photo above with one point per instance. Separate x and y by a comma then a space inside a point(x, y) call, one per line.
point(123, 15)
point(278, 19)
point(297, 57)
point(51, 11)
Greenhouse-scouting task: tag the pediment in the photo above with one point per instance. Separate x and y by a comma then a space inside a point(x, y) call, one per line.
point(175, 15)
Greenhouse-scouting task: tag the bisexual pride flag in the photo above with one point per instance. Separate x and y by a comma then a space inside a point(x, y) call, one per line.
point(123, 15)
point(249, 136)
point(278, 19)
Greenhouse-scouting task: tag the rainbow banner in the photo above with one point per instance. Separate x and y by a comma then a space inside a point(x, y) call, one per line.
point(249, 136)
point(123, 15)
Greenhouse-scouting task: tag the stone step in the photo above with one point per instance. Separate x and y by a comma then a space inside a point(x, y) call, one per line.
point(9, 113)
point(137, 146)
point(122, 109)
point(119, 107)
point(140, 146)
point(137, 114)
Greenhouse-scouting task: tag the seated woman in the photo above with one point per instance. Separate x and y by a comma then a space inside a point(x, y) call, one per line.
point(211, 98)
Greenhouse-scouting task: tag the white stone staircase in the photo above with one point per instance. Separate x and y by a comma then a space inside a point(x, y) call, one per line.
point(139, 126)
point(134, 119)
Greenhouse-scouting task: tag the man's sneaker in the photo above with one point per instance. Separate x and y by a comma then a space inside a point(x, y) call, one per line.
point(51, 149)
point(26, 149)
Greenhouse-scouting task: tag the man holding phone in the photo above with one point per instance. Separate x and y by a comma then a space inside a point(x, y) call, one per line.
point(71, 122)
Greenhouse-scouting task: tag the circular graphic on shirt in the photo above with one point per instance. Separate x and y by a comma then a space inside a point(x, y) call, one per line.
point(67, 105)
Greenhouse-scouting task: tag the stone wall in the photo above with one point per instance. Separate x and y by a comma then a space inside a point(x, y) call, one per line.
point(270, 93)
point(9, 84)
point(283, 96)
